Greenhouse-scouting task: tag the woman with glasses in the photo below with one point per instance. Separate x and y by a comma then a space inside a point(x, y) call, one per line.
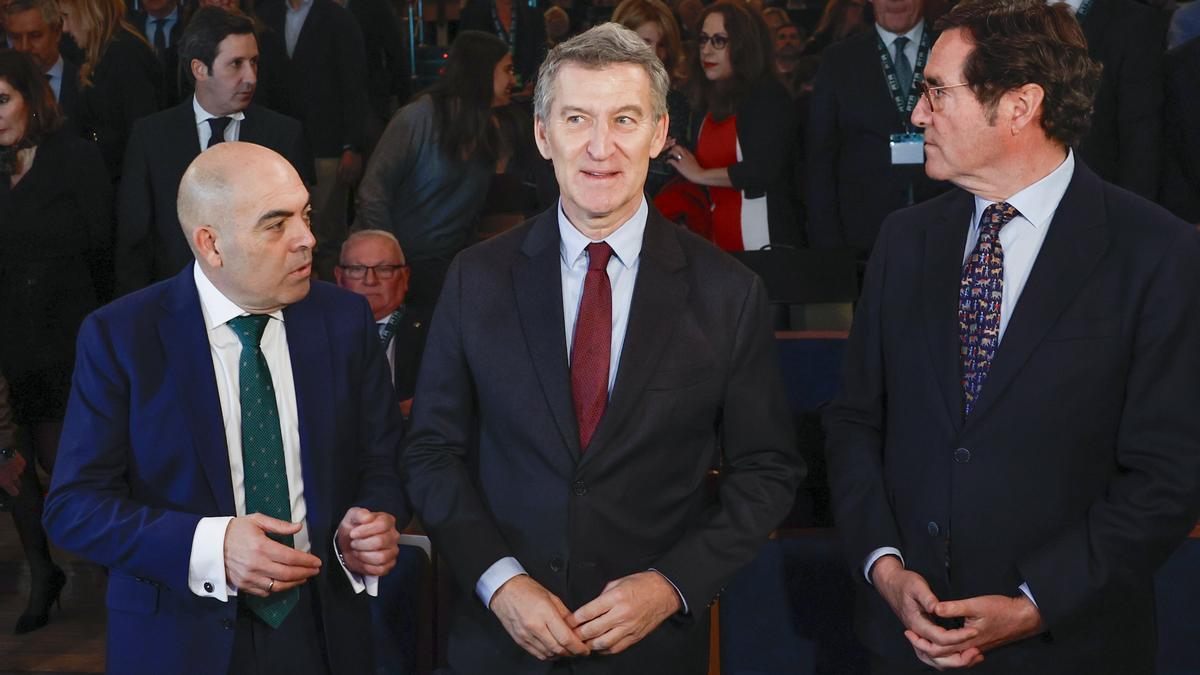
point(743, 128)
point(429, 175)
point(55, 241)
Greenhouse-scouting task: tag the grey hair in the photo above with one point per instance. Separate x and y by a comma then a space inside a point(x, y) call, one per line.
point(603, 46)
point(49, 10)
point(367, 234)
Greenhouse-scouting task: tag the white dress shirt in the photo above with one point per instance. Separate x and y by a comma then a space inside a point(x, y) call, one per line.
point(626, 243)
point(207, 560)
point(204, 131)
point(293, 22)
point(1021, 239)
point(914, 42)
point(55, 77)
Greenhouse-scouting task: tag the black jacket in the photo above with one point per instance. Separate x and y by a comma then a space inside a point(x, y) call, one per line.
point(1181, 176)
point(124, 89)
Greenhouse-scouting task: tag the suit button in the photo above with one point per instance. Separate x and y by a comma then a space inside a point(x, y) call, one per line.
point(580, 488)
point(556, 564)
point(208, 587)
point(962, 455)
point(227, 624)
point(933, 529)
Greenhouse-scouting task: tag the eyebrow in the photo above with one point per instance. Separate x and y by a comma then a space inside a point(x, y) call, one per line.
point(280, 213)
point(570, 109)
point(933, 80)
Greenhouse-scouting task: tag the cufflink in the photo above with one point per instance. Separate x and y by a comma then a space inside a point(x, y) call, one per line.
point(208, 587)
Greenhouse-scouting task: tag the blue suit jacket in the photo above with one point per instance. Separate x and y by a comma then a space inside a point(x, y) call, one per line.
point(143, 458)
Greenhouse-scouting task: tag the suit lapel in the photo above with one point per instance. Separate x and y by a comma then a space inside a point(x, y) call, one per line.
point(309, 30)
point(537, 281)
point(944, 244)
point(185, 343)
point(310, 349)
point(69, 93)
point(1073, 247)
point(659, 300)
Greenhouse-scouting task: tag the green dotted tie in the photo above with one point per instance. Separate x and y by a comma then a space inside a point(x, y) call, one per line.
point(265, 474)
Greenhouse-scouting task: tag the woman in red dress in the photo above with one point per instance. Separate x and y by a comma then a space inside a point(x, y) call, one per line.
point(745, 132)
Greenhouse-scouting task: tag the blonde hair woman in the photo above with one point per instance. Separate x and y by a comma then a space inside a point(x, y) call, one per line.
point(117, 78)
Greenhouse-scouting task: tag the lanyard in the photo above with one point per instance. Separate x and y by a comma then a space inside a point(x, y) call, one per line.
point(904, 105)
point(509, 36)
point(1084, 8)
point(389, 329)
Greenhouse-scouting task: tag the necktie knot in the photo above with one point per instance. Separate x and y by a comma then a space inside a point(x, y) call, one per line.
point(598, 255)
point(900, 42)
point(995, 217)
point(217, 125)
point(250, 328)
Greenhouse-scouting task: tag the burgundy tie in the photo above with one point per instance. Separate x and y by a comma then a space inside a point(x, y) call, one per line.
point(591, 350)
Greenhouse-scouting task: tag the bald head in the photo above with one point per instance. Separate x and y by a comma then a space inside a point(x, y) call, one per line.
point(244, 212)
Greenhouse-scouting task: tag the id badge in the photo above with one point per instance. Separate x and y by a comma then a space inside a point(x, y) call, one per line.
point(908, 148)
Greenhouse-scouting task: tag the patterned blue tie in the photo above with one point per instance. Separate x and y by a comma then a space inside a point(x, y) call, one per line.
point(265, 480)
point(979, 296)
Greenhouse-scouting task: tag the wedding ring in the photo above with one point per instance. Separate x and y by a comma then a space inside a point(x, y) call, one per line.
point(676, 157)
point(271, 585)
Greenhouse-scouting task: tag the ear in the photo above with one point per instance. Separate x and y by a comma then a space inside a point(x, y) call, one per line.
point(207, 247)
point(337, 275)
point(199, 70)
point(1026, 107)
point(540, 137)
point(660, 135)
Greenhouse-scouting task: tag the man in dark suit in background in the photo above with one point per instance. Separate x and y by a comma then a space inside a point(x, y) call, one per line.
point(1015, 447)
point(229, 451)
point(1125, 143)
point(860, 166)
point(221, 52)
point(35, 27)
point(160, 22)
point(384, 45)
point(372, 265)
point(327, 92)
point(1181, 175)
point(583, 374)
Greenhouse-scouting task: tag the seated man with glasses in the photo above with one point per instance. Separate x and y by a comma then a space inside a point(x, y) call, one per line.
point(372, 265)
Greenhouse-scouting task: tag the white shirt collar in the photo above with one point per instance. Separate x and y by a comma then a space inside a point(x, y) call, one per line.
point(216, 308)
point(913, 34)
point(1038, 202)
point(56, 70)
point(626, 240)
point(203, 115)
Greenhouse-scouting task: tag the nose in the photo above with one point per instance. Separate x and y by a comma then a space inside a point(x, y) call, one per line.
point(370, 278)
point(600, 142)
point(250, 73)
point(921, 113)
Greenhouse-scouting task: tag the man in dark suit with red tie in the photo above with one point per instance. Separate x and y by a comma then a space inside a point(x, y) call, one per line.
point(1015, 447)
point(584, 373)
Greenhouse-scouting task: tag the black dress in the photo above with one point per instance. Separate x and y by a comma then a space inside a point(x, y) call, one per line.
point(55, 250)
point(122, 91)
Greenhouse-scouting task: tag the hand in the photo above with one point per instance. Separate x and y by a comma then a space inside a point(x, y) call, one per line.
point(913, 603)
point(350, 169)
point(253, 561)
point(536, 619)
point(626, 611)
point(368, 541)
point(10, 474)
point(997, 620)
point(684, 162)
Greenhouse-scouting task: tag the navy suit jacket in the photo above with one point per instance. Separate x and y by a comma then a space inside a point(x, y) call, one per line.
point(143, 458)
point(494, 459)
point(1078, 472)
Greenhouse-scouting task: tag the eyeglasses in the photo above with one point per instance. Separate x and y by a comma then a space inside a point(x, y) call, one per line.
point(718, 41)
point(381, 271)
point(933, 95)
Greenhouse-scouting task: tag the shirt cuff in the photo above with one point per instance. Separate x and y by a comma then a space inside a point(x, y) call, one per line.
point(682, 600)
point(358, 582)
point(496, 576)
point(876, 555)
point(1028, 593)
point(206, 565)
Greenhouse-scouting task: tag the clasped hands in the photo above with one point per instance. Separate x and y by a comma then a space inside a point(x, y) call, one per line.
point(624, 613)
point(258, 565)
point(988, 620)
